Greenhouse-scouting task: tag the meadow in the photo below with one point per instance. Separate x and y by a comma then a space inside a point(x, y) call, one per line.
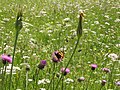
point(48, 53)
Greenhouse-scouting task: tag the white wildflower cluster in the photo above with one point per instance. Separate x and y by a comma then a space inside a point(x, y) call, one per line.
point(117, 20)
point(113, 56)
point(30, 80)
point(8, 69)
point(117, 45)
point(18, 89)
point(26, 65)
point(69, 80)
point(43, 81)
point(66, 20)
point(26, 24)
point(96, 22)
point(42, 89)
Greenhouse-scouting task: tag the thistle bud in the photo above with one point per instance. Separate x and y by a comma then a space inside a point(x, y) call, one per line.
point(18, 23)
point(79, 29)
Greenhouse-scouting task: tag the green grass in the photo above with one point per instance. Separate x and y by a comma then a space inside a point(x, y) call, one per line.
point(44, 31)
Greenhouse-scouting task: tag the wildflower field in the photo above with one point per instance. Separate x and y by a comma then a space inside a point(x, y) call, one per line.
point(59, 44)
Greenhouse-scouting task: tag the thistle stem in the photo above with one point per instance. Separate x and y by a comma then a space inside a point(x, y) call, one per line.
point(68, 62)
point(15, 44)
point(26, 79)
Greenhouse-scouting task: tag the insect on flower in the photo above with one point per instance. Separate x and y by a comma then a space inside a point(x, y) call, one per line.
point(57, 56)
point(60, 54)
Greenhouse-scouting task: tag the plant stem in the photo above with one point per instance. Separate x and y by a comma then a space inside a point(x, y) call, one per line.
point(15, 44)
point(88, 81)
point(4, 75)
point(53, 75)
point(37, 77)
point(52, 79)
point(26, 79)
point(62, 83)
point(68, 62)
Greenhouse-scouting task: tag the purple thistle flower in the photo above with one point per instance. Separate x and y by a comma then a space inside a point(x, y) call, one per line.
point(7, 58)
point(103, 82)
point(65, 71)
point(93, 66)
point(42, 64)
point(117, 83)
point(106, 70)
point(57, 56)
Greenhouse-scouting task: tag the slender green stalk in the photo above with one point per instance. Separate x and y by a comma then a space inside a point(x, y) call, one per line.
point(26, 80)
point(18, 27)
point(53, 75)
point(88, 81)
point(37, 77)
point(79, 34)
point(15, 44)
point(4, 76)
point(101, 87)
point(52, 79)
point(110, 78)
point(62, 83)
point(68, 62)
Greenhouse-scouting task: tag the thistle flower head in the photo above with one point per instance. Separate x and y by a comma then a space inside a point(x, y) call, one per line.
point(106, 70)
point(93, 66)
point(117, 83)
point(103, 82)
point(42, 64)
point(7, 58)
point(81, 79)
point(65, 71)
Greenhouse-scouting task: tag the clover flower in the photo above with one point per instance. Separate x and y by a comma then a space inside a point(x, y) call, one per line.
point(5, 58)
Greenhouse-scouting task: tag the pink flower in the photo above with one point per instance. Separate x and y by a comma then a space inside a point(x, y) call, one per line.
point(106, 70)
point(81, 79)
point(65, 71)
point(103, 82)
point(7, 58)
point(117, 83)
point(93, 66)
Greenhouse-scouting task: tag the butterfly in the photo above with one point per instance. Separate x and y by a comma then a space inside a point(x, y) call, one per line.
point(60, 54)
